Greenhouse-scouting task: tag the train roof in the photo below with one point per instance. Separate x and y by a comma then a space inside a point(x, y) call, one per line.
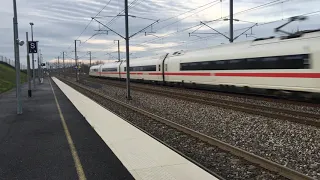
point(110, 64)
point(261, 41)
point(294, 40)
point(145, 58)
point(95, 66)
point(279, 45)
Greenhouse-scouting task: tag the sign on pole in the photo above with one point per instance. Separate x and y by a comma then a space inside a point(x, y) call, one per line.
point(33, 47)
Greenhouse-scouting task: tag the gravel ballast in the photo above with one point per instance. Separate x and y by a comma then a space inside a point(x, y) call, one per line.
point(294, 145)
point(218, 161)
point(247, 99)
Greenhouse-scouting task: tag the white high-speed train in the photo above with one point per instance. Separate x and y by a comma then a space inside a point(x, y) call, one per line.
point(285, 64)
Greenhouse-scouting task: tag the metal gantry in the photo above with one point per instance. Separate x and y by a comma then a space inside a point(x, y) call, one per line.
point(231, 20)
point(127, 39)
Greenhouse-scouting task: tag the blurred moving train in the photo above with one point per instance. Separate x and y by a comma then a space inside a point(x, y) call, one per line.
point(283, 66)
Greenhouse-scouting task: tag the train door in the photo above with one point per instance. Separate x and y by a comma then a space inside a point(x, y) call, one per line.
point(123, 70)
point(163, 67)
point(172, 67)
point(119, 69)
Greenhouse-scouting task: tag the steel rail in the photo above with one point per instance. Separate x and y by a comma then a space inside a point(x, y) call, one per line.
point(265, 163)
point(283, 114)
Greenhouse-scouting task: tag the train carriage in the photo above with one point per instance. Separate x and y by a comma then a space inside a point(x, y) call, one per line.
point(110, 70)
point(94, 70)
point(272, 64)
point(148, 69)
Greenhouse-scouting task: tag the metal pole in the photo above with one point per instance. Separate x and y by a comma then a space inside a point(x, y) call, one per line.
point(17, 57)
point(63, 62)
point(231, 21)
point(75, 57)
point(42, 70)
point(127, 48)
point(28, 68)
point(33, 68)
point(58, 66)
point(39, 68)
point(90, 57)
point(118, 50)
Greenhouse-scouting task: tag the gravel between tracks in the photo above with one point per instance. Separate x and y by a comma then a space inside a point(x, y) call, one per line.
point(293, 145)
point(221, 162)
point(249, 100)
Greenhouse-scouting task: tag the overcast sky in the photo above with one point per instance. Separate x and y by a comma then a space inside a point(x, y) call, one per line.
point(59, 22)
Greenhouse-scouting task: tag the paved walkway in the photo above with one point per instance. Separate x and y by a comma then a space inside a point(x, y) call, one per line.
point(45, 143)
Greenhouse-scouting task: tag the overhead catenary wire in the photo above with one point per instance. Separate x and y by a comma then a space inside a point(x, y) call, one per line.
point(237, 13)
point(187, 16)
point(189, 11)
point(114, 17)
point(240, 29)
point(244, 11)
point(90, 22)
point(179, 14)
point(117, 16)
point(133, 3)
point(211, 5)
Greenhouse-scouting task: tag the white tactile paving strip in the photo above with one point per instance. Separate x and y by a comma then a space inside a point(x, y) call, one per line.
point(143, 156)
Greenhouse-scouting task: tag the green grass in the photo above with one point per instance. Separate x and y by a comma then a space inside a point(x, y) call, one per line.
point(8, 77)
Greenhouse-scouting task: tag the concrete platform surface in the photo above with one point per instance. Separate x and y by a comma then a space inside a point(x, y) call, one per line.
point(144, 157)
point(44, 144)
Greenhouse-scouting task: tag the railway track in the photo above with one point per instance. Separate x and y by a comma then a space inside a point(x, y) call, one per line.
point(252, 158)
point(272, 112)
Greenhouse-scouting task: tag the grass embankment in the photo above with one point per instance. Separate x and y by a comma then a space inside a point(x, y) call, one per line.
point(8, 77)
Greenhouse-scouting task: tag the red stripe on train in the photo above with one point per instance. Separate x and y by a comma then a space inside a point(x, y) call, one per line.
point(276, 75)
point(184, 73)
point(109, 73)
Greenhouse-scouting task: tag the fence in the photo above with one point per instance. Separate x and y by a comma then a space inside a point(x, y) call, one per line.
point(11, 62)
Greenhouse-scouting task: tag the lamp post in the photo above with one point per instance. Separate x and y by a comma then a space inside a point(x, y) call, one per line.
point(33, 69)
point(17, 42)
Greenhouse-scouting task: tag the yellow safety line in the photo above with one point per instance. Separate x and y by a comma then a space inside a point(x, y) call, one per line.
point(73, 149)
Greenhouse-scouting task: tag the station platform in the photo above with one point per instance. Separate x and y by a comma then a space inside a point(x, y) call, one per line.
point(47, 143)
point(62, 134)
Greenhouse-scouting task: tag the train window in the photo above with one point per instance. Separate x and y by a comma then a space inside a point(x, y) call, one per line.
point(253, 63)
point(296, 62)
point(219, 65)
point(125, 68)
point(144, 68)
point(159, 67)
point(300, 61)
point(108, 69)
point(270, 63)
point(268, 59)
point(306, 62)
point(237, 64)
